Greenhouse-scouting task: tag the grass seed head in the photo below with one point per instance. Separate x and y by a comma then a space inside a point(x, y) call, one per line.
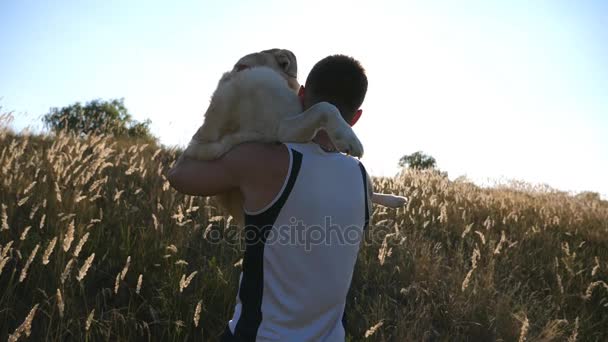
point(197, 313)
point(25, 327)
point(85, 267)
point(28, 263)
point(80, 244)
point(139, 282)
point(49, 251)
point(372, 330)
point(60, 304)
point(89, 320)
point(69, 237)
point(67, 270)
point(125, 269)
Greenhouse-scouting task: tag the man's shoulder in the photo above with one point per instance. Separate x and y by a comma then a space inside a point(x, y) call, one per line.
point(259, 166)
point(258, 149)
point(252, 154)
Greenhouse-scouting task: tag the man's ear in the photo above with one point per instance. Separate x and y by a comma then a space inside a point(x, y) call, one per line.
point(301, 94)
point(356, 117)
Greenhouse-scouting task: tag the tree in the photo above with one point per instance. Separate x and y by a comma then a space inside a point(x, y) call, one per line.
point(589, 196)
point(98, 117)
point(417, 160)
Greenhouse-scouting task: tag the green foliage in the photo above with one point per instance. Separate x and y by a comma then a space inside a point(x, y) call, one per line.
point(417, 160)
point(98, 117)
point(589, 196)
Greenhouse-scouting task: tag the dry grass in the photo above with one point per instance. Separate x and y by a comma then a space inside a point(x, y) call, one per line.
point(458, 263)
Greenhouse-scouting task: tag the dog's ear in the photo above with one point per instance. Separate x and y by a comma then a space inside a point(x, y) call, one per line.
point(287, 62)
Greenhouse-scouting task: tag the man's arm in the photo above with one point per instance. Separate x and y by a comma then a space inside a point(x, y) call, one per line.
point(251, 168)
point(206, 178)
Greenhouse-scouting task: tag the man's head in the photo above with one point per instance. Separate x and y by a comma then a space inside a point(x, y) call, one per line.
point(339, 80)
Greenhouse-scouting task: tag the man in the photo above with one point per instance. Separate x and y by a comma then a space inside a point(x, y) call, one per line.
point(306, 207)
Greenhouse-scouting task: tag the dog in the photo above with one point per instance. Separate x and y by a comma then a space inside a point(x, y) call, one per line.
point(257, 101)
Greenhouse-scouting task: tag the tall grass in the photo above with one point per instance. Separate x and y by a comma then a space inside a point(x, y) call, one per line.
point(95, 245)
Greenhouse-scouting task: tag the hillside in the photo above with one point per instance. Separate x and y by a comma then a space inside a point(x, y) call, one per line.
point(95, 245)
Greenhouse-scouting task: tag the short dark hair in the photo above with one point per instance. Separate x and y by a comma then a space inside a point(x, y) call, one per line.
point(339, 80)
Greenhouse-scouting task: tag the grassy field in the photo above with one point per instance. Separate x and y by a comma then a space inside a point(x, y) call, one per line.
point(95, 245)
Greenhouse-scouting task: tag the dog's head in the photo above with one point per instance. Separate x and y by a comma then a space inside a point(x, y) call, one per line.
point(281, 60)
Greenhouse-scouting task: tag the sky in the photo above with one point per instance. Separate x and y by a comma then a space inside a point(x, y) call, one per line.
point(494, 90)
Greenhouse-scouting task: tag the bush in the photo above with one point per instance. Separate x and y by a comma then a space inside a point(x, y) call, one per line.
point(98, 117)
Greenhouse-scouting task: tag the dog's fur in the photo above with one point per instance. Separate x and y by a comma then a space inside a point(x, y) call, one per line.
point(257, 101)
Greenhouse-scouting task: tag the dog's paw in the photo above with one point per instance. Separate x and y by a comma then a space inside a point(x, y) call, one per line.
point(341, 134)
point(346, 141)
point(396, 201)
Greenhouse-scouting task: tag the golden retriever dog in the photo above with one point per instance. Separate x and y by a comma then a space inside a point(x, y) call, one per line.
point(257, 101)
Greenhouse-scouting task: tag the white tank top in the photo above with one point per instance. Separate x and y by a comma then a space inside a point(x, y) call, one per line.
point(301, 250)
